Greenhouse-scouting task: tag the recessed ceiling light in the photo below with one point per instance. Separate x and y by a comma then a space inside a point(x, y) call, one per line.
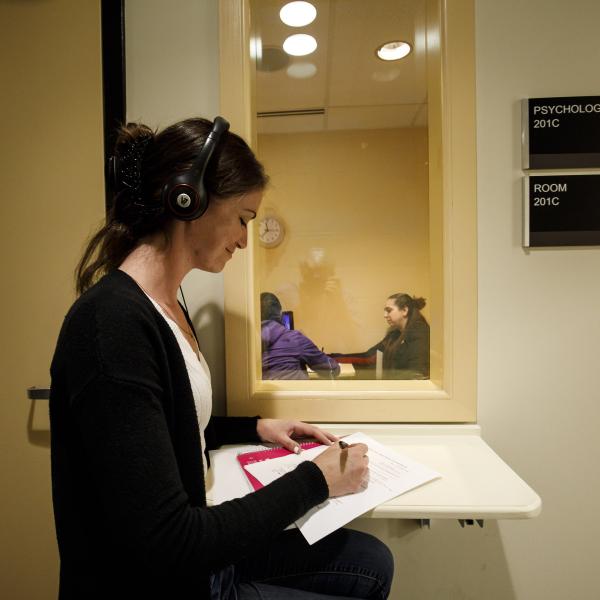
point(300, 44)
point(298, 14)
point(393, 50)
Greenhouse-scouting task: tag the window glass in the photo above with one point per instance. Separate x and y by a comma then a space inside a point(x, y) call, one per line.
point(343, 260)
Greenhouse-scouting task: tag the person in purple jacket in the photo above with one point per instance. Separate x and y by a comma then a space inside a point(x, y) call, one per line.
point(286, 353)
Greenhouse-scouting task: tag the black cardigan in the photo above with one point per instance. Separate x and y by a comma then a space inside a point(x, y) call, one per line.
point(405, 354)
point(127, 474)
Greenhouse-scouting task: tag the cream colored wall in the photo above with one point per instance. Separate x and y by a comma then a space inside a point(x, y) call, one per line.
point(172, 70)
point(52, 197)
point(539, 332)
point(355, 209)
point(539, 339)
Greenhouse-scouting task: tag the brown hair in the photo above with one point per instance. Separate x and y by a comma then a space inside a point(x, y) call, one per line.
point(146, 160)
point(413, 303)
point(270, 307)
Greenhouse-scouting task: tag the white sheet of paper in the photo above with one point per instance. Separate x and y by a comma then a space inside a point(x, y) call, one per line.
point(390, 474)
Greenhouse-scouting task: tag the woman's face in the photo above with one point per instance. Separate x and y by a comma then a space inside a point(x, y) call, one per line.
point(394, 316)
point(221, 230)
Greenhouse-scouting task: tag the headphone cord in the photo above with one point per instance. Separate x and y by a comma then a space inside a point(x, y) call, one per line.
point(183, 298)
point(187, 314)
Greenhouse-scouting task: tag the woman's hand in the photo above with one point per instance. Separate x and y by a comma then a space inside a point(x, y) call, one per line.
point(345, 470)
point(282, 432)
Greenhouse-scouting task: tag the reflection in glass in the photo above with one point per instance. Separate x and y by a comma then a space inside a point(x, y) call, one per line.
point(302, 70)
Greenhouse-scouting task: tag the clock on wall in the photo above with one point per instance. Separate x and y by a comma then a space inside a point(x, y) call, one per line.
point(270, 231)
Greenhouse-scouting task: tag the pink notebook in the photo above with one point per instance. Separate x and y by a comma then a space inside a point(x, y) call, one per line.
point(247, 458)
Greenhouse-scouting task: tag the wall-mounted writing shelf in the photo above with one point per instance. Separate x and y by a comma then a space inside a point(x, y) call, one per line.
point(476, 483)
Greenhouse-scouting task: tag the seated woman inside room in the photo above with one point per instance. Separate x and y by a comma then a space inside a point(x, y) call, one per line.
point(286, 353)
point(405, 346)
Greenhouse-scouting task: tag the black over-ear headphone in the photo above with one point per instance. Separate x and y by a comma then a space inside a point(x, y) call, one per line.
point(184, 195)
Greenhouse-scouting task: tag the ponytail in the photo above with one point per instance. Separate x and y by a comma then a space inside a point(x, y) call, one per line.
point(413, 303)
point(105, 251)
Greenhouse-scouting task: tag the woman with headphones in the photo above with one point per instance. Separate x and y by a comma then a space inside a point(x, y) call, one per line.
point(130, 405)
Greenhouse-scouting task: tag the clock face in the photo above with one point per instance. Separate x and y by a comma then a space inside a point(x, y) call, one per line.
point(270, 232)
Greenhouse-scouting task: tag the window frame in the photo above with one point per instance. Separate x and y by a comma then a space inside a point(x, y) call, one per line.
point(450, 396)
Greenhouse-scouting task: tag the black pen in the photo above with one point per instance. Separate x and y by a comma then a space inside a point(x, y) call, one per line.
point(343, 454)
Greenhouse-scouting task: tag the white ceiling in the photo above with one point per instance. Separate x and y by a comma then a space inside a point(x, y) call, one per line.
point(352, 87)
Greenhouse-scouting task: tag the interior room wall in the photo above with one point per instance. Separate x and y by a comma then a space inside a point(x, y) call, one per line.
point(539, 338)
point(539, 324)
point(172, 71)
point(355, 209)
point(52, 188)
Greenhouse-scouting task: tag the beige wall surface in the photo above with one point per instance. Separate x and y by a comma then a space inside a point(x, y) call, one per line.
point(172, 71)
point(355, 209)
point(539, 325)
point(52, 197)
point(539, 339)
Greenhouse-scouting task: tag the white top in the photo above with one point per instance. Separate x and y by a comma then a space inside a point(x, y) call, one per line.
point(199, 375)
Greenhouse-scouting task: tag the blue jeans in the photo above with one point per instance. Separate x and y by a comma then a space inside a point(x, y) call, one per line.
point(346, 564)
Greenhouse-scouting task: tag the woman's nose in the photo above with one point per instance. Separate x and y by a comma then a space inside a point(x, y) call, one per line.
point(243, 240)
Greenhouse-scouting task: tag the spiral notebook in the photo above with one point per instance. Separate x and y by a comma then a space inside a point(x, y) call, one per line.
point(248, 458)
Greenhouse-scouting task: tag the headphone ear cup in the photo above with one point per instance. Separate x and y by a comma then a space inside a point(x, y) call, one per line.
point(184, 196)
point(185, 201)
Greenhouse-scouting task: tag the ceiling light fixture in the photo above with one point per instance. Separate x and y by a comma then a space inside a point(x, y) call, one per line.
point(393, 50)
point(300, 44)
point(298, 14)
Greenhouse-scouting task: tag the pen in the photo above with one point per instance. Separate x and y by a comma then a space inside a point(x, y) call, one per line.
point(343, 454)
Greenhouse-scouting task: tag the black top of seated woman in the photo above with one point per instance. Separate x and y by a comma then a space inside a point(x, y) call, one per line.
point(127, 472)
point(405, 353)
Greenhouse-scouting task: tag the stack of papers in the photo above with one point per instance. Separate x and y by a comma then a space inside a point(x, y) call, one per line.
point(390, 474)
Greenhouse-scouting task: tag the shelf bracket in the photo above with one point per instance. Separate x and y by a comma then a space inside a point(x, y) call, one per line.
point(36, 393)
point(469, 522)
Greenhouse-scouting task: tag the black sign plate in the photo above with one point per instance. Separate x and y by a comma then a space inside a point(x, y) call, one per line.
point(561, 133)
point(561, 210)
